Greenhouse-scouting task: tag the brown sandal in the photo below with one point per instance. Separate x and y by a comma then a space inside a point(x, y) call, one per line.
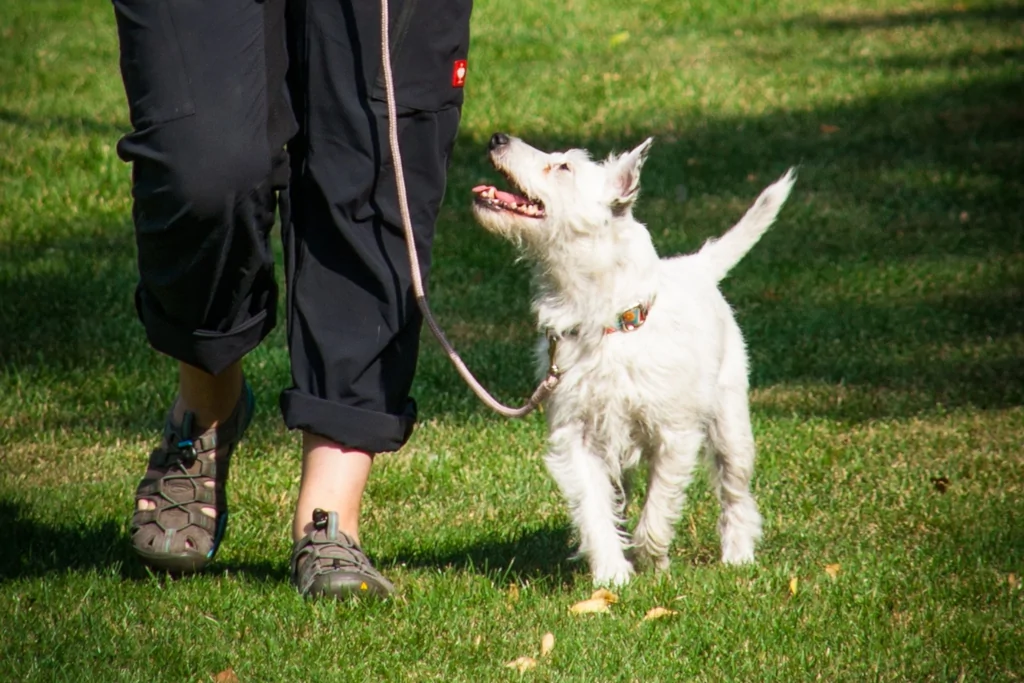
point(177, 536)
point(327, 562)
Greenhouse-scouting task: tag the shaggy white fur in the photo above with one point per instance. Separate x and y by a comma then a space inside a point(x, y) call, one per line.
point(656, 393)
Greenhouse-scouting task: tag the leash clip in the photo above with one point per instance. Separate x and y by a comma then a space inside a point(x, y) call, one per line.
point(553, 369)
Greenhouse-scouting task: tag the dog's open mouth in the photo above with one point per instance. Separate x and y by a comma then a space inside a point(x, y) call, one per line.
point(499, 200)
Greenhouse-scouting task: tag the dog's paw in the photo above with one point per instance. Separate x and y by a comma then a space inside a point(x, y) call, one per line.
point(738, 554)
point(644, 561)
point(615, 577)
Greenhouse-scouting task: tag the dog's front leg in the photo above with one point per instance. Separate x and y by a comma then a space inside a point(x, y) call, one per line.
point(585, 481)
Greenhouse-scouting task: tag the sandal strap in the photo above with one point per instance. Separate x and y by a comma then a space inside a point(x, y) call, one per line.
point(156, 487)
point(326, 550)
point(198, 519)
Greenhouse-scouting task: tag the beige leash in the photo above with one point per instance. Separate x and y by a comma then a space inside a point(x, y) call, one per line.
point(549, 382)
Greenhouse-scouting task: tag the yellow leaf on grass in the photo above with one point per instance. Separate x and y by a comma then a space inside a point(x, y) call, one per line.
point(226, 676)
point(598, 602)
point(832, 570)
point(547, 644)
point(522, 664)
point(659, 613)
point(619, 38)
point(513, 592)
point(589, 606)
point(792, 586)
point(1013, 581)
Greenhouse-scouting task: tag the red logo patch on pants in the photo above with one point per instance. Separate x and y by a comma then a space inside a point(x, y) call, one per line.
point(459, 73)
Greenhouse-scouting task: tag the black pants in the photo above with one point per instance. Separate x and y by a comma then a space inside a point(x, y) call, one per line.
point(243, 108)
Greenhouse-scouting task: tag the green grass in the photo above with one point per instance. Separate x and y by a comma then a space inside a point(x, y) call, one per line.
point(884, 314)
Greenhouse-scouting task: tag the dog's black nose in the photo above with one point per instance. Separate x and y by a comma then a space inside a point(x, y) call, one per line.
point(498, 140)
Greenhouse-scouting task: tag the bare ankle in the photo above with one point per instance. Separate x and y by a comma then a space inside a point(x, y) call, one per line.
point(333, 479)
point(211, 397)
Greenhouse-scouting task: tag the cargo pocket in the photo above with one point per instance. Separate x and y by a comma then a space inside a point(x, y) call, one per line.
point(429, 44)
point(152, 67)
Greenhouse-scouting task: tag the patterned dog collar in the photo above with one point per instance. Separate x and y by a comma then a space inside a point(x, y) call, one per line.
point(629, 320)
point(632, 318)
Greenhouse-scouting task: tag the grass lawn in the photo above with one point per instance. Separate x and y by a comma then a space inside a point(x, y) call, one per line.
point(884, 315)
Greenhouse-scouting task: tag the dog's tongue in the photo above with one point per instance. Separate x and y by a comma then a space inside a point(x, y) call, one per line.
point(500, 195)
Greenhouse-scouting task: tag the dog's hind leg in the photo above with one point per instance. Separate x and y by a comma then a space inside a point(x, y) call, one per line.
point(594, 504)
point(671, 469)
point(731, 466)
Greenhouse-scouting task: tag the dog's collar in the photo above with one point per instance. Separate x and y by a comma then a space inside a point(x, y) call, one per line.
point(629, 320)
point(632, 318)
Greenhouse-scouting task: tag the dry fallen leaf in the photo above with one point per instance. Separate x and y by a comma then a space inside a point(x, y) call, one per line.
point(828, 128)
point(522, 664)
point(1013, 581)
point(513, 592)
point(792, 586)
point(589, 606)
point(659, 613)
point(598, 602)
point(832, 570)
point(619, 38)
point(547, 644)
point(226, 676)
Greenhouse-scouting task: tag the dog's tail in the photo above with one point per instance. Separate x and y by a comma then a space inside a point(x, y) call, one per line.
point(724, 253)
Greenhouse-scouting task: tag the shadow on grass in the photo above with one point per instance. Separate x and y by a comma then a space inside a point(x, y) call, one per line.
point(33, 549)
point(68, 125)
point(67, 302)
point(539, 555)
point(1001, 12)
point(990, 534)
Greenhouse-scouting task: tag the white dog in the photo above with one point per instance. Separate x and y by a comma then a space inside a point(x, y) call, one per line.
point(652, 362)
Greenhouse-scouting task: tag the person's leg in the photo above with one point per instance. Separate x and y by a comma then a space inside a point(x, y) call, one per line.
point(210, 397)
point(212, 400)
point(353, 325)
point(210, 117)
point(333, 478)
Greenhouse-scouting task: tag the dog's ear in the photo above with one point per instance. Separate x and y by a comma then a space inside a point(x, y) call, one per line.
point(624, 178)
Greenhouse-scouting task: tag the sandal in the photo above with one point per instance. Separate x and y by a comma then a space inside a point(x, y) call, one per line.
point(328, 562)
point(177, 536)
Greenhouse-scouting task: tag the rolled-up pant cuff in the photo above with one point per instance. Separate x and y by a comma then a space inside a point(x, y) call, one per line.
point(349, 426)
point(205, 349)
